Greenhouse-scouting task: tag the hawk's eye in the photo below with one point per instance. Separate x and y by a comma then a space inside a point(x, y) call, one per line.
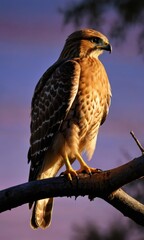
point(96, 40)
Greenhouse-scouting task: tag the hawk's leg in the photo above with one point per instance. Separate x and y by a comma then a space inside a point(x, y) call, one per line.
point(69, 170)
point(84, 166)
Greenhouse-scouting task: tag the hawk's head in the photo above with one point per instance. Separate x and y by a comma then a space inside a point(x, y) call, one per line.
point(85, 42)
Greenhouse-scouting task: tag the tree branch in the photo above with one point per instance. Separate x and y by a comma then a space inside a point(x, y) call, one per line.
point(127, 205)
point(137, 142)
point(104, 184)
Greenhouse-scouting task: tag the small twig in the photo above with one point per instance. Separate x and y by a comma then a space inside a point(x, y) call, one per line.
point(137, 142)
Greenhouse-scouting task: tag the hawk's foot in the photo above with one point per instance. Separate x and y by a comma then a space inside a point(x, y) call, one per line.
point(86, 169)
point(69, 170)
point(69, 173)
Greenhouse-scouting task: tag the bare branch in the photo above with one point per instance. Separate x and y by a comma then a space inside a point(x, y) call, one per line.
point(103, 184)
point(137, 142)
point(127, 205)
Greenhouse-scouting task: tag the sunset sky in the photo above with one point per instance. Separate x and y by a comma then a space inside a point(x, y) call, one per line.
point(31, 38)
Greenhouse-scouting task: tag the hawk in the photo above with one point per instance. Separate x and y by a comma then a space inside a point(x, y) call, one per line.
point(70, 102)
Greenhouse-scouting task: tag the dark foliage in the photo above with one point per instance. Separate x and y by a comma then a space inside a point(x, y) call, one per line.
point(119, 17)
point(90, 231)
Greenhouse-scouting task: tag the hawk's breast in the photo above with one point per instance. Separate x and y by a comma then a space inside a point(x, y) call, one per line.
point(91, 99)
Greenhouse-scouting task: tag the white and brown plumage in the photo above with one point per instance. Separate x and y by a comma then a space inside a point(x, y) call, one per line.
point(70, 102)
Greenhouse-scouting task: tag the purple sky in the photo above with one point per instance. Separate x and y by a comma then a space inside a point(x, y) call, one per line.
point(31, 38)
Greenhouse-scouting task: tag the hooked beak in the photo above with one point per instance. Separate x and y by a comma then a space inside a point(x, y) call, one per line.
point(107, 47)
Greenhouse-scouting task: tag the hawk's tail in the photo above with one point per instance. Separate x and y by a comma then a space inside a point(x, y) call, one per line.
point(42, 210)
point(42, 213)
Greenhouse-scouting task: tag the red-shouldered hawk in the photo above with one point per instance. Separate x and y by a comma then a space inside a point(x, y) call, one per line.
point(70, 102)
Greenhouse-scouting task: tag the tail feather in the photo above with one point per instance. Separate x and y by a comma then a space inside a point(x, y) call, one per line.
point(42, 209)
point(42, 212)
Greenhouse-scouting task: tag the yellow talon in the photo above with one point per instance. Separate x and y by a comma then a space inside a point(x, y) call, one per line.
point(84, 166)
point(69, 170)
point(69, 173)
point(86, 169)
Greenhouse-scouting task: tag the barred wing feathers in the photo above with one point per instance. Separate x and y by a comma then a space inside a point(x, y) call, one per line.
point(51, 103)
